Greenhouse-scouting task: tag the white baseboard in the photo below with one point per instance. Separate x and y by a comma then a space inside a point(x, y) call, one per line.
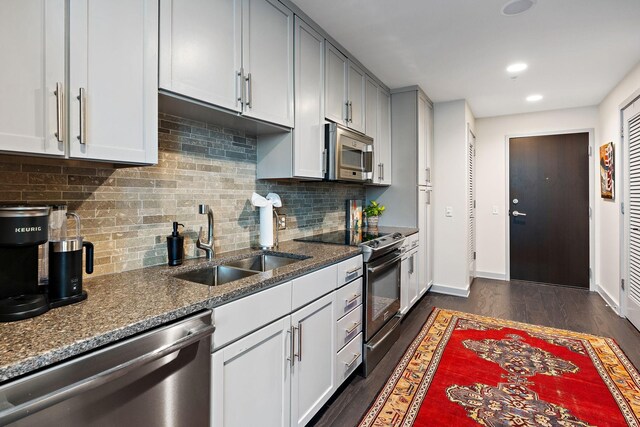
point(607, 298)
point(450, 290)
point(489, 275)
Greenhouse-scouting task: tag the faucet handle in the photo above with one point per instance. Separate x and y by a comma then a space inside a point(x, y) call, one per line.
point(203, 209)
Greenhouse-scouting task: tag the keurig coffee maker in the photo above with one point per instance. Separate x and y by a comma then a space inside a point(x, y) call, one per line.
point(23, 261)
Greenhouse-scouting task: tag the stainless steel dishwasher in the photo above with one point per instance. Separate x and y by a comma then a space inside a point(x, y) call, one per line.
point(159, 378)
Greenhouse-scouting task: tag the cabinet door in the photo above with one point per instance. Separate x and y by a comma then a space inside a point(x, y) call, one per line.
point(371, 110)
point(422, 140)
point(308, 134)
point(414, 277)
point(200, 50)
point(383, 146)
point(113, 77)
point(267, 59)
point(32, 48)
point(429, 153)
point(251, 379)
point(404, 285)
point(424, 267)
point(356, 97)
point(335, 89)
point(313, 378)
point(427, 240)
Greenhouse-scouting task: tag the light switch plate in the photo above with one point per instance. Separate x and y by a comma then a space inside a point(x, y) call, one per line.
point(448, 211)
point(494, 210)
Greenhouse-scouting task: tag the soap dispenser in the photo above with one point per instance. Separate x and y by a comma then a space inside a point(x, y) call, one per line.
point(175, 246)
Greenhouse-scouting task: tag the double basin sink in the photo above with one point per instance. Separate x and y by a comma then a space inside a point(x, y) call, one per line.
point(238, 269)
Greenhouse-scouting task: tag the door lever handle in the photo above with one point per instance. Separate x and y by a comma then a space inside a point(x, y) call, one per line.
point(516, 213)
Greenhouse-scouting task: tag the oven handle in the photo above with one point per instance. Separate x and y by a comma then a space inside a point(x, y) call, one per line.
point(384, 265)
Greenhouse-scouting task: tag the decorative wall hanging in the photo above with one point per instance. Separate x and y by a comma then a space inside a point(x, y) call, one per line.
point(607, 171)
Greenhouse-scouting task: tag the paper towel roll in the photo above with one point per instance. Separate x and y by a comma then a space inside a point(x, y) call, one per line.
point(266, 226)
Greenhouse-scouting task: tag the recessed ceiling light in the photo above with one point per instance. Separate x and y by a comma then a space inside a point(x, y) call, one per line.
point(534, 98)
point(516, 68)
point(516, 7)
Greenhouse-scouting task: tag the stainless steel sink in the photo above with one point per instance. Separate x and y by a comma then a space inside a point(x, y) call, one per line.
point(215, 276)
point(263, 262)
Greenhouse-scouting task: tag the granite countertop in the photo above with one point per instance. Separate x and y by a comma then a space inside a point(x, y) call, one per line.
point(124, 304)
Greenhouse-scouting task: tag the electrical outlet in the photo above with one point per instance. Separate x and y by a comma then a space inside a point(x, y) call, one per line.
point(282, 222)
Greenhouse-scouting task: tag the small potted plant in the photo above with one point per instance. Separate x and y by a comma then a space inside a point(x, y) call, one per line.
point(373, 212)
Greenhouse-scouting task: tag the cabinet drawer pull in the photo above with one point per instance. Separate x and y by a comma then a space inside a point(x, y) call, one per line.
point(299, 342)
point(348, 302)
point(59, 111)
point(82, 137)
point(354, 360)
point(353, 329)
point(292, 350)
point(249, 102)
point(351, 272)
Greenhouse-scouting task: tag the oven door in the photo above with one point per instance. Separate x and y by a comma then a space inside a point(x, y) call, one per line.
point(383, 292)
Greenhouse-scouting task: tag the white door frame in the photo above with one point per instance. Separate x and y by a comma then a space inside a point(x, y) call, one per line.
point(471, 170)
point(592, 219)
point(623, 154)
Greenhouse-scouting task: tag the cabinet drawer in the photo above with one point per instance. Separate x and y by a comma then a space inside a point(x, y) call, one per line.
point(348, 327)
point(413, 241)
point(349, 269)
point(348, 297)
point(245, 315)
point(312, 286)
point(348, 359)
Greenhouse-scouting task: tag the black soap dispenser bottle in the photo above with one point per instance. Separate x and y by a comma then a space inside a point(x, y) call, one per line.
point(175, 246)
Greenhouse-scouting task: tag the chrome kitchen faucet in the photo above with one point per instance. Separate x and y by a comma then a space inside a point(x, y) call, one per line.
point(208, 245)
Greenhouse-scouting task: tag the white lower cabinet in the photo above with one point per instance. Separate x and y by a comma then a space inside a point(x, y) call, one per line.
point(283, 373)
point(251, 379)
point(410, 290)
point(312, 379)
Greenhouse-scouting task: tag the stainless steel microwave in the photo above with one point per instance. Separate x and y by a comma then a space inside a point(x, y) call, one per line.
point(350, 154)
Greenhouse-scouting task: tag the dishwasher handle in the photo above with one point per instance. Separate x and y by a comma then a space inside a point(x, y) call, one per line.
point(38, 404)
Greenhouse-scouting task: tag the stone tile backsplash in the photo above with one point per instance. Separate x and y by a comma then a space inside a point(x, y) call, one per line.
point(127, 212)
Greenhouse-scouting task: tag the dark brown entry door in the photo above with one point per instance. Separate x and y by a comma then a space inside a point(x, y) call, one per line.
point(549, 209)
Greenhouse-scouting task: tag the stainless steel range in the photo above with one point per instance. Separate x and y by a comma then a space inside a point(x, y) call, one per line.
point(382, 258)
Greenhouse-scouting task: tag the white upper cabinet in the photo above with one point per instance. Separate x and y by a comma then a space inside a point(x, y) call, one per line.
point(344, 90)
point(383, 138)
point(308, 134)
point(33, 56)
point(423, 131)
point(371, 109)
point(235, 54)
point(335, 85)
point(356, 98)
point(378, 127)
point(113, 63)
point(201, 50)
point(267, 60)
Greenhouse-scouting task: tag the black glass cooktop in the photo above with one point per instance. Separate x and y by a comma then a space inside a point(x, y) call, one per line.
point(344, 237)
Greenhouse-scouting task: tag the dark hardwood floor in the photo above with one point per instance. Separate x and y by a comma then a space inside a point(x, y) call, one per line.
point(555, 306)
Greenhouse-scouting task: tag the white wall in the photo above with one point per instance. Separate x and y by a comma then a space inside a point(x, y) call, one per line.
point(450, 184)
point(491, 170)
point(608, 212)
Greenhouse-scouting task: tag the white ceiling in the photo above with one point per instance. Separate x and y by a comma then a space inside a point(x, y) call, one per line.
point(577, 50)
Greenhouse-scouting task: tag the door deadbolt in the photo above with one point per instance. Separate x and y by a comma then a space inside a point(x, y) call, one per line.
point(515, 201)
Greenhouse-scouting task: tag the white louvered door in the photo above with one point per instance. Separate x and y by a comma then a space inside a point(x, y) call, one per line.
point(471, 205)
point(631, 129)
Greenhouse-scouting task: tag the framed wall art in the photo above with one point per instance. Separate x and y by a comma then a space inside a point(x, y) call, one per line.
point(607, 171)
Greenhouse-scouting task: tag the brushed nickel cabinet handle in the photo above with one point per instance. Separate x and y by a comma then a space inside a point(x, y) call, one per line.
point(299, 342)
point(82, 137)
point(240, 87)
point(59, 111)
point(348, 302)
point(249, 102)
point(291, 358)
point(355, 326)
point(354, 360)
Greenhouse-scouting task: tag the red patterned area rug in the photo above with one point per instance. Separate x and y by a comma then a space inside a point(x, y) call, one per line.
point(469, 370)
